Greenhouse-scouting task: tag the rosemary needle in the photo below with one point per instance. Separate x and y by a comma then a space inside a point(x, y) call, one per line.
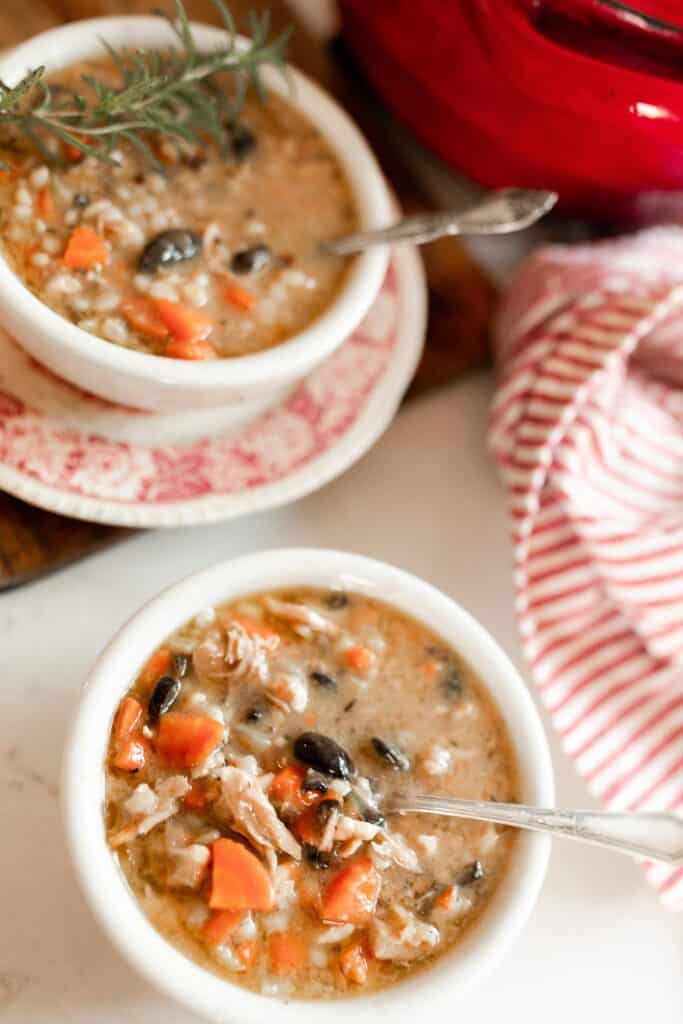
point(172, 93)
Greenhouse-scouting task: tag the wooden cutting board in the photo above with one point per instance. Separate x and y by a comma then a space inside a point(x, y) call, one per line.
point(461, 297)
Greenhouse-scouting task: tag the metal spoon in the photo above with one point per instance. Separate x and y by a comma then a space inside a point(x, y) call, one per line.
point(498, 213)
point(652, 835)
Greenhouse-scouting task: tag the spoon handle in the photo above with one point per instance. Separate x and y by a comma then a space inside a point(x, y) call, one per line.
point(496, 213)
point(657, 836)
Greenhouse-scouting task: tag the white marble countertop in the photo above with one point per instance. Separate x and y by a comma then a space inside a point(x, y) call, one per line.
point(598, 946)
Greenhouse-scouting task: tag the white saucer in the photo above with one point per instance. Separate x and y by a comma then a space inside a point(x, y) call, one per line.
point(69, 452)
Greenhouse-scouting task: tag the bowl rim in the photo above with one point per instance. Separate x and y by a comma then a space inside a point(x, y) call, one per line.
point(83, 786)
point(77, 40)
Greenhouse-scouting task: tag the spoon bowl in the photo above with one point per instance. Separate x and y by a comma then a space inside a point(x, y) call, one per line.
point(498, 213)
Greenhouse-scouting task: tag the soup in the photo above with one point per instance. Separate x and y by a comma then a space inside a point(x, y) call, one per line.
point(217, 257)
point(250, 767)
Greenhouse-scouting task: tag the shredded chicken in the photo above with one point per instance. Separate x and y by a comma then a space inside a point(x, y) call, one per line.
point(391, 847)
point(210, 766)
point(304, 620)
point(188, 866)
point(288, 690)
point(350, 847)
point(249, 811)
point(401, 936)
point(147, 813)
point(230, 654)
point(330, 827)
point(335, 933)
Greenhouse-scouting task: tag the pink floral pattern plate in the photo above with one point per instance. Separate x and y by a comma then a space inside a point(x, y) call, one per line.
point(72, 453)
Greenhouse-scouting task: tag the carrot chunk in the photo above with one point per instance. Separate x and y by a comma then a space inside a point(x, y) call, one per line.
point(351, 896)
point(130, 756)
point(195, 799)
point(186, 740)
point(286, 789)
point(158, 665)
point(353, 963)
point(287, 952)
point(430, 668)
point(221, 925)
point(85, 249)
point(239, 880)
point(196, 351)
point(128, 718)
point(310, 825)
point(143, 318)
point(247, 952)
point(307, 827)
point(238, 296)
point(72, 153)
point(360, 659)
point(45, 204)
point(184, 323)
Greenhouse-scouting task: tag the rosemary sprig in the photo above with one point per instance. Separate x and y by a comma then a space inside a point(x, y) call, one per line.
point(171, 92)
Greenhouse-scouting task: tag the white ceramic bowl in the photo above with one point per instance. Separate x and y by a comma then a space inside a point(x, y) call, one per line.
point(152, 382)
point(105, 887)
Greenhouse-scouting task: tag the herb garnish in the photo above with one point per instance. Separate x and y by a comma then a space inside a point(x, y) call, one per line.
point(169, 92)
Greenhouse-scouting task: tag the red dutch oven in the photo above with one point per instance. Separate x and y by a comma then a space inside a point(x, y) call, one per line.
point(581, 96)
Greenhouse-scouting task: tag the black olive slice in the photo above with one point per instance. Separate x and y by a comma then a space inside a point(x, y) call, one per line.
point(324, 754)
point(169, 247)
point(164, 696)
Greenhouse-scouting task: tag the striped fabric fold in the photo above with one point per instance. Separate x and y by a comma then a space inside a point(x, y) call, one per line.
point(587, 431)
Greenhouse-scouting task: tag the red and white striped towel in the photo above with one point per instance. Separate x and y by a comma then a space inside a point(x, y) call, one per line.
point(587, 429)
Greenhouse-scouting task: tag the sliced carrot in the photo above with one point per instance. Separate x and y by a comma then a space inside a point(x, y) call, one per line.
point(255, 628)
point(238, 296)
point(184, 741)
point(351, 897)
point(360, 659)
point(184, 323)
point(221, 925)
point(195, 799)
point(196, 351)
point(445, 898)
point(310, 825)
point(72, 153)
point(287, 952)
point(143, 318)
point(239, 880)
point(130, 756)
point(353, 963)
point(85, 249)
point(128, 718)
point(286, 789)
point(247, 952)
point(430, 668)
point(158, 665)
point(307, 827)
point(45, 204)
